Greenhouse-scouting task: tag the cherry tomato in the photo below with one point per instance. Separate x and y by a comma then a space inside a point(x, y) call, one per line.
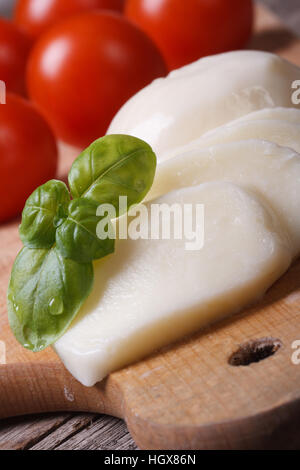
point(28, 154)
point(35, 16)
point(83, 70)
point(14, 50)
point(185, 30)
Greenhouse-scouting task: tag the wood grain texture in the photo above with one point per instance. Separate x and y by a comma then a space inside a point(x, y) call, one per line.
point(33, 429)
point(186, 396)
point(65, 432)
point(104, 433)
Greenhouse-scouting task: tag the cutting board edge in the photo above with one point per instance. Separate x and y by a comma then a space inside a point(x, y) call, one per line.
point(262, 430)
point(258, 431)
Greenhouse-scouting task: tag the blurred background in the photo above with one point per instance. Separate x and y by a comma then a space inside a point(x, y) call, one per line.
point(6, 7)
point(288, 10)
point(79, 61)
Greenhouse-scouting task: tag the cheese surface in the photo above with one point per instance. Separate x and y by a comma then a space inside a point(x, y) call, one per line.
point(283, 133)
point(281, 114)
point(271, 171)
point(151, 292)
point(174, 110)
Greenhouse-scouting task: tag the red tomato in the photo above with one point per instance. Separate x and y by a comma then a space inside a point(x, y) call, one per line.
point(84, 69)
point(35, 16)
point(28, 154)
point(185, 30)
point(14, 50)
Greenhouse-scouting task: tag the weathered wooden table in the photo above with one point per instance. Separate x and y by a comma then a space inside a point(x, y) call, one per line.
point(90, 431)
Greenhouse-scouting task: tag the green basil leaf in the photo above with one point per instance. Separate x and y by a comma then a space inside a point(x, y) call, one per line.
point(45, 293)
point(113, 166)
point(53, 275)
point(77, 237)
point(43, 210)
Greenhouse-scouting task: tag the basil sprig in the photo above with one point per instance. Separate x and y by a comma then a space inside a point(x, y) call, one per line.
point(53, 274)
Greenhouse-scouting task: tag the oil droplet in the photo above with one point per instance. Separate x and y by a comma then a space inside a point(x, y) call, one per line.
point(56, 306)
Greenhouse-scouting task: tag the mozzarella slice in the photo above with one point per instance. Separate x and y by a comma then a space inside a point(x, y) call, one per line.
point(151, 292)
point(271, 171)
point(173, 111)
point(281, 114)
point(283, 133)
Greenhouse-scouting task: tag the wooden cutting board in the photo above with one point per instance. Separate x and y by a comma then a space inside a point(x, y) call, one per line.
point(189, 395)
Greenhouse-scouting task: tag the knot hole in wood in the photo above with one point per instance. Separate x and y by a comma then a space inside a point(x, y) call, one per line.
point(254, 351)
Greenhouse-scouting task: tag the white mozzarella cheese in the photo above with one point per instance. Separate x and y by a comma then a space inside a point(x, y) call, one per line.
point(283, 133)
point(273, 172)
point(281, 114)
point(151, 292)
point(174, 110)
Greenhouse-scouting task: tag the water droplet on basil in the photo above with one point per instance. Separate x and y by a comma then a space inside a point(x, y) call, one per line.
point(56, 306)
